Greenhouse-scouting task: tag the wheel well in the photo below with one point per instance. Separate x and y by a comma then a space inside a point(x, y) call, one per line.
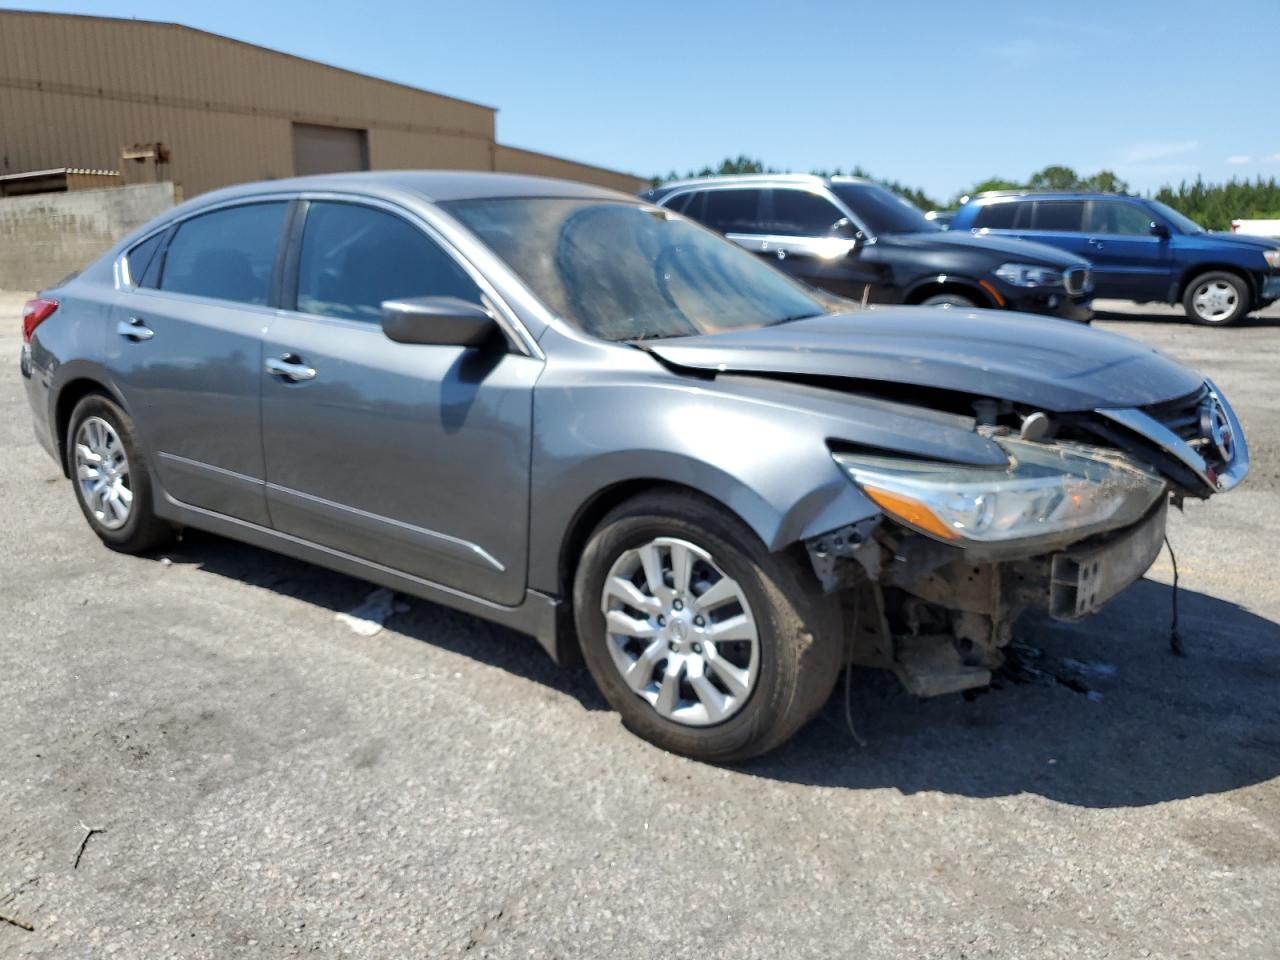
point(1191, 273)
point(975, 293)
point(71, 394)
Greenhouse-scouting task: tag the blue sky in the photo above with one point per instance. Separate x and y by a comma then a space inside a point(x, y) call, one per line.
point(934, 94)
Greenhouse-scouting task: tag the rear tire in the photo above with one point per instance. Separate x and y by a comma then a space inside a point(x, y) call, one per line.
point(110, 476)
point(775, 682)
point(1216, 298)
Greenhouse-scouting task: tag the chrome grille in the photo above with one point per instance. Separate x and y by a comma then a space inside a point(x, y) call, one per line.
point(1077, 280)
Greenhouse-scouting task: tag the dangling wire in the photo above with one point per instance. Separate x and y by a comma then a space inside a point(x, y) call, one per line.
point(848, 680)
point(1175, 639)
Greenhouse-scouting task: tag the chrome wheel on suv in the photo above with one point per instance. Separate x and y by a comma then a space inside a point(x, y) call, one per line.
point(1216, 299)
point(680, 631)
point(102, 471)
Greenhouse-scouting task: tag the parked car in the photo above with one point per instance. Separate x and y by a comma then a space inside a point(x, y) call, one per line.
point(856, 239)
point(1257, 228)
point(588, 418)
point(942, 218)
point(1140, 249)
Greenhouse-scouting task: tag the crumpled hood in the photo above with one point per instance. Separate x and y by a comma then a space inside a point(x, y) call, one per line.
point(1050, 364)
point(1019, 251)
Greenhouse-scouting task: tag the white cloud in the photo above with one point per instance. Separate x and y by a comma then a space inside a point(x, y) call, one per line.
point(1239, 158)
point(1274, 158)
point(1146, 152)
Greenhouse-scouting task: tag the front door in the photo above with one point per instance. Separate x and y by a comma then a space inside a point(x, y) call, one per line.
point(1129, 262)
point(185, 345)
point(412, 456)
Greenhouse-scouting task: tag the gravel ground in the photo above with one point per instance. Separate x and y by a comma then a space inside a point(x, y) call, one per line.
point(271, 784)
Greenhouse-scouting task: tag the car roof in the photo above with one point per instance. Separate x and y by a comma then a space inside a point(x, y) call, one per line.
point(989, 196)
point(755, 180)
point(436, 186)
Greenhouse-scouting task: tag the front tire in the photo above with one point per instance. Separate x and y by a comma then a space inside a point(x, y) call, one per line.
point(707, 644)
point(1216, 299)
point(947, 300)
point(110, 476)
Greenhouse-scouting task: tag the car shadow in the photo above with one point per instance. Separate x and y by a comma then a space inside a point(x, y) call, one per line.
point(1252, 322)
point(1095, 714)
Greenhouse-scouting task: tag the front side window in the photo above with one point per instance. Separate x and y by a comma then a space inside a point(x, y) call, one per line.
point(730, 211)
point(799, 213)
point(1059, 216)
point(1116, 216)
point(623, 271)
point(228, 254)
point(882, 210)
point(354, 257)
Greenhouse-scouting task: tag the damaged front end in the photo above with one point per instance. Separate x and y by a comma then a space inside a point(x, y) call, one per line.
point(932, 586)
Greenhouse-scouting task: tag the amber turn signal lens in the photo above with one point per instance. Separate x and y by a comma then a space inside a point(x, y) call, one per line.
point(911, 512)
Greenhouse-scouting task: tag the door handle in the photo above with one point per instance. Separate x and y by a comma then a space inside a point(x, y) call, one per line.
point(1095, 242)
point(134, 329)
point(290, 368)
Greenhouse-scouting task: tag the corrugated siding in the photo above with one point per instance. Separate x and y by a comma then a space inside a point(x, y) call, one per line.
point(515, 160)
point(75, 90)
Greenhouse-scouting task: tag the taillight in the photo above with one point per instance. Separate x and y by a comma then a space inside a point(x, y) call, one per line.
point(34, 313)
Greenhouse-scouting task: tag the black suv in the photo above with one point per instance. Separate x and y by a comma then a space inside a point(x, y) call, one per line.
point(856, 239)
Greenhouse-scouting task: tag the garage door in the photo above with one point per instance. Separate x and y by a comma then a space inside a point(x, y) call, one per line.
point(318, 149)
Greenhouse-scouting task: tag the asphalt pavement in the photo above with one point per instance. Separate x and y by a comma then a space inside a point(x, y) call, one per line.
point(270, 783)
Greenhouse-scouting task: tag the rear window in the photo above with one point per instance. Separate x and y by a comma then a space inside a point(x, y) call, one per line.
point(227, 254)
point(1059, 216)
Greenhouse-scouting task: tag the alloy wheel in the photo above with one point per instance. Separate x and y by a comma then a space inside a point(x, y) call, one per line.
point(681, 632)
point(102, 471)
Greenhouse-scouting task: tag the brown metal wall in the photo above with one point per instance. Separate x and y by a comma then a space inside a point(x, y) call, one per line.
point(515, 160)
point(74, 90)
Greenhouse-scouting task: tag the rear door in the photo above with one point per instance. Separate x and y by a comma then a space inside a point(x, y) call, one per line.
point(1128, 261)
point(409, 455)
point(1059, 223)
point(185, 346)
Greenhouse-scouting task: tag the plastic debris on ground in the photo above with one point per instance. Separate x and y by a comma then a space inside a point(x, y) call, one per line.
point(368, 617)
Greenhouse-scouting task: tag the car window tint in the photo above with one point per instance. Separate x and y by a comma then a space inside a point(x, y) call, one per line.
point(680, 202)
point(354, 257)
point(798, 213)
point(696, 206)
point(227, 254)
point(996, 216)
point(139, 258)
point(1065, 216)
point(1116, 216)
point(731, 211)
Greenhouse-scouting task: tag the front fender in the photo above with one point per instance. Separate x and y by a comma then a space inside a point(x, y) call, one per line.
point(762, 448)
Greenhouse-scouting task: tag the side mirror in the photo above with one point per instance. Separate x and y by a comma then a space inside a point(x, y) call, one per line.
point(843, 229)
point(442, 321)
point(1159, 230)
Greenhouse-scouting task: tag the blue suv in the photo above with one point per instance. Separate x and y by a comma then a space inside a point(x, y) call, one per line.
point(1140, 249)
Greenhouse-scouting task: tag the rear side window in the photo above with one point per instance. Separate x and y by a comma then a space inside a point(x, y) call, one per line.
point(1059, 216)
point(798, 213)
point(227, 254)
point(731, 211)
point(1116, 216)
point(140, 258)
point(354, 257)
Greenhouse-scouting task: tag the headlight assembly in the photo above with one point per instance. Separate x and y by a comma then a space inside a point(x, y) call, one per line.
point(1046, 489)
point(1029, 275)
point(1273, 258)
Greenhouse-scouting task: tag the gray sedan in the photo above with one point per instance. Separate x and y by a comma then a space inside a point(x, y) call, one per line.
point(589, 419)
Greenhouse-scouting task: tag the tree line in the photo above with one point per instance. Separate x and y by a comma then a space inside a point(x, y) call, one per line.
point(1212, 205)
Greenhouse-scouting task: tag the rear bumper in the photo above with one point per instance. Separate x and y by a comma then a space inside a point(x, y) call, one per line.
point(36, 385)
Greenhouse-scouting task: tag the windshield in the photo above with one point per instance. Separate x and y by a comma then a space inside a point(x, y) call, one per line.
point(622, 271)
point(883, 211)
point(1183, 223)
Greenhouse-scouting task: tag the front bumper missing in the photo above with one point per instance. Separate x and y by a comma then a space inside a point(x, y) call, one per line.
point(1081, 581)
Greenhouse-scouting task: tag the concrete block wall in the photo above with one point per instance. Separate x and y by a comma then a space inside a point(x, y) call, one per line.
point(46, 236)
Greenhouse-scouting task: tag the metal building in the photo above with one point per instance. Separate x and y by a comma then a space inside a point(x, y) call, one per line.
point(206, 111)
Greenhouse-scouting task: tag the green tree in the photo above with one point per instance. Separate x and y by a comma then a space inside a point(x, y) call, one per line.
point(1104, 181)
point(1054, 177)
